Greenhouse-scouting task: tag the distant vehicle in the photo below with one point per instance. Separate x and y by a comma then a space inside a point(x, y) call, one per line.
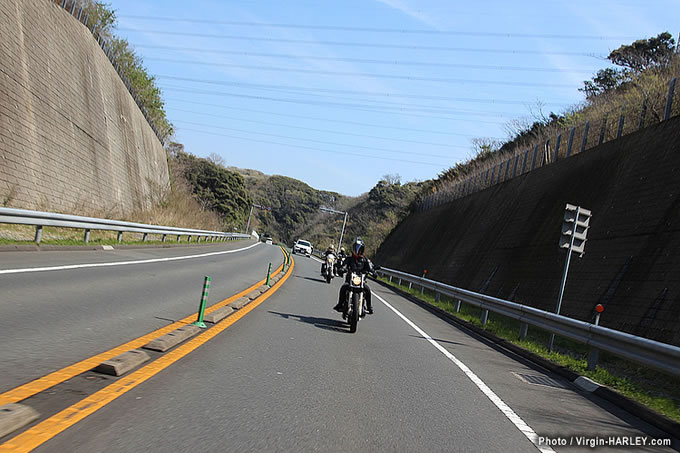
point(303, 248)
point(268, 241)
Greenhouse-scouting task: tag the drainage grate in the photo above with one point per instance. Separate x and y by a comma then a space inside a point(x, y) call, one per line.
point(539, 380)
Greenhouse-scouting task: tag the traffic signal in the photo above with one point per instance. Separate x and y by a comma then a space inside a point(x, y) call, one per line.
point(575, 227)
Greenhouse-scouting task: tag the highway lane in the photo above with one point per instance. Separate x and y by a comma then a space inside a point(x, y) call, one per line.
point(52, 319)
point(289, 377)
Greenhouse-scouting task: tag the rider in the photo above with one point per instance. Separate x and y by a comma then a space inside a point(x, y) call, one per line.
point(342, 255)
point(329, 250)
point(359, 264)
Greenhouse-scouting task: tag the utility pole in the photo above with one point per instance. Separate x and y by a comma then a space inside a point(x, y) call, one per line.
point(344, 222)
point(251, 213)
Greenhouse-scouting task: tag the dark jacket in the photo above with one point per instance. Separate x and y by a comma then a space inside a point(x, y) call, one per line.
point(359, 265)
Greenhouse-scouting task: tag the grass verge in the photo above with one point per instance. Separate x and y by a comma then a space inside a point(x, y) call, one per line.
point(654, 389)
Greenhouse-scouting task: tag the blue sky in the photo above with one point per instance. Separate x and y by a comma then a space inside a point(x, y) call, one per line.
point(338, 94)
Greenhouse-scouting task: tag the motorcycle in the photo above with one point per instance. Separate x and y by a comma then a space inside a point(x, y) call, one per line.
point(339, 262)
point(354, 303)
point(328, 267)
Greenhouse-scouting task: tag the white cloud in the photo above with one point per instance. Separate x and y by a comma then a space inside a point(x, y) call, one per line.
point(410, 11)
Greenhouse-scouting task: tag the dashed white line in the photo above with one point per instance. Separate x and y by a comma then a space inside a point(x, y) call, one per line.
point(119, 263)
point(500, 404)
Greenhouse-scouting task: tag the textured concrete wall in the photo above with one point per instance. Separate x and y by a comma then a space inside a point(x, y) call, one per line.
point(72, 138)
point(503, 241)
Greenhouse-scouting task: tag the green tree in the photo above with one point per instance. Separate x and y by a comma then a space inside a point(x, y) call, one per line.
point(215, 187)
point(634, 59)
point(645, 54)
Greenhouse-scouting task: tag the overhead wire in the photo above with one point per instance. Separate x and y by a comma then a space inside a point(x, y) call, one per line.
point(366, 60)
point(328, 104)
point(377, 30)
point(350, 134)
point(360, 44)
point(321, 142)
point(367, 74)
point(315, 118)
point(317, 149)
point(370, 103)
point(364, 93)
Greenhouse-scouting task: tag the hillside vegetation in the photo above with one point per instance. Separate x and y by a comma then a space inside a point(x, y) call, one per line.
point(636, 85)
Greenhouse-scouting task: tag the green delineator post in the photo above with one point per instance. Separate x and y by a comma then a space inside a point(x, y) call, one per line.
point(269, 271)
point(201, 309)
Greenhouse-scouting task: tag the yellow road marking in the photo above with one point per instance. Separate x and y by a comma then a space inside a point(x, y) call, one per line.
point(47, 429)
point(41, 384)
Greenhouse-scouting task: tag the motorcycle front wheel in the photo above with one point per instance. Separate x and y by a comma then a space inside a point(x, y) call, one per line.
point(354, 314)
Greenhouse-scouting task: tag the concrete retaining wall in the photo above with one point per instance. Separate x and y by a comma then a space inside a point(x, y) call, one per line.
point(72, 138)
point(503, 241)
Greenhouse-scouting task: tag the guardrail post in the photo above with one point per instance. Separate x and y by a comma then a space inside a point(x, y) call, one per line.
point(437, 297)
point(145, 237)
point(485, 316)
point(399, 282)
point(390, 279)
point(198, 238)
point(178, 237)
point(189, 238)
point(523, 329)
point(87, 236)
point(410, 284)
point(594, 353)
point(120, 237)
point(201, 308)
point(163, 238)
point(38, 234)
point(458, 302)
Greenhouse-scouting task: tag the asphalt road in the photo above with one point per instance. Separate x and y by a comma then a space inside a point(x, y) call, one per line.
point(51, 319)
point(289, 377)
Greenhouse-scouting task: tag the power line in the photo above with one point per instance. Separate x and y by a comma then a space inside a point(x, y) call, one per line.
point(268, 123)
point(378, 30)
point(360, 44)
point(316, 118)
point(370, 103)
point(321, 142)
point(328, 104)
point(316, 149)
point(365, 102)
point(367, 74)
point(365, 93)
point(367, 60)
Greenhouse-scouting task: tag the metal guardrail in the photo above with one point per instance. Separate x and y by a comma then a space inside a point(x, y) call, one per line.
point(42, 219)
point(659, 355)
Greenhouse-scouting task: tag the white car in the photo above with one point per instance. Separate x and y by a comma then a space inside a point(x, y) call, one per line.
point(303, 247)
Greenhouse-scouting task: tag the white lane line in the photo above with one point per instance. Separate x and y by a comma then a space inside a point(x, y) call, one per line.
point(500, 404)
point(119, 263)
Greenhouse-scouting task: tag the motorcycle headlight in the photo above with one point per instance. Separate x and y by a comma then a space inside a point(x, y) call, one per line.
point(356, 280)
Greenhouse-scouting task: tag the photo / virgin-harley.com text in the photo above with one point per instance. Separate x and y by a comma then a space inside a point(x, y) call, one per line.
point(603, 441)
